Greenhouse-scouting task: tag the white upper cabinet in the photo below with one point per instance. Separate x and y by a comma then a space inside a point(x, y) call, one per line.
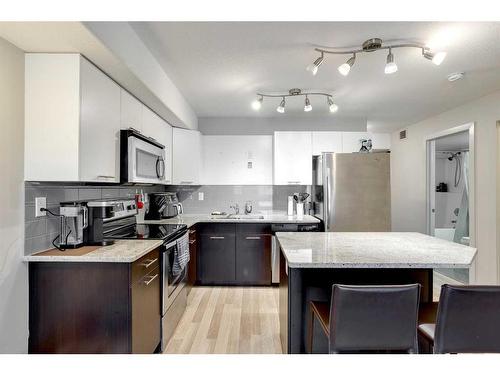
point(99, 126)
point(131, 112)
point(293, 158)
point(326, 142)
point(237, 160)
point(155, 127)
point(72, 120)
point(187, 146)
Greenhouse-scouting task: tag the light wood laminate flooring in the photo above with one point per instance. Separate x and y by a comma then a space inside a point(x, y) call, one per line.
point(228, 320)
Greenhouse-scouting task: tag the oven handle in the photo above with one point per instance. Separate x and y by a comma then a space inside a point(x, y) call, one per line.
point(174, 242)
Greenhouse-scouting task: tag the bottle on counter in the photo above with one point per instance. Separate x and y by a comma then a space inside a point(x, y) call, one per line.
point(290, 206)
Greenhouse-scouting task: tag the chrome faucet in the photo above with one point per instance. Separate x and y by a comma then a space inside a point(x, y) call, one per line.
point(236, 208)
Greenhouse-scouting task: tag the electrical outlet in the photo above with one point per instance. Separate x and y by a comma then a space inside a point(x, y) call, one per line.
point(201, 195)
point(40, 202)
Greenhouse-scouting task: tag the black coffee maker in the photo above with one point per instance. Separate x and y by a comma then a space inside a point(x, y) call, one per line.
point(163, 205)
point(101, 216)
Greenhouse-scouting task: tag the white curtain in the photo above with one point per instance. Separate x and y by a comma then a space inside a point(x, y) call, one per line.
point(462, 226)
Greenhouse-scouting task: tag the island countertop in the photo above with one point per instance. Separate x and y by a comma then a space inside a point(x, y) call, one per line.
point(372, 250)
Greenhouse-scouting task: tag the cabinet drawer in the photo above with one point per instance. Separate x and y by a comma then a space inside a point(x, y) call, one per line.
point(142, 266)
point(216, 228)
point(146, 315)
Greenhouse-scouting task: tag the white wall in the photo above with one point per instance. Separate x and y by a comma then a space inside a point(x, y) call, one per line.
point(408, 176)
point(13, 272)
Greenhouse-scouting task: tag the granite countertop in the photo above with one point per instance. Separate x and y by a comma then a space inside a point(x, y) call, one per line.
point(274, 217)
point(122, 251)
point(372, 250)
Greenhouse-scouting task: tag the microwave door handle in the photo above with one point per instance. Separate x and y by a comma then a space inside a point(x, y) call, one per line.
point(157, 164)
point(160, 173)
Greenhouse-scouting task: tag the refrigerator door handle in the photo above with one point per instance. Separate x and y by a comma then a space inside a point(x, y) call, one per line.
point(327, 200)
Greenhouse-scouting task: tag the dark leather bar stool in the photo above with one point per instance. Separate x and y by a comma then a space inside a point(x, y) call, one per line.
point(468, 320)
point(368, 319)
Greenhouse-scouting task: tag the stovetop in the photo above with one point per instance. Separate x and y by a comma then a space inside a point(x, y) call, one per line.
point(146, 232)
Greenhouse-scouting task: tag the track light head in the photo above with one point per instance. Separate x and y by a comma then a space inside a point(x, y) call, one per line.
point(345, 68)
point(331, 105)
point(307, 107)
point(390, 66)
point(436, 58)
point(313, 68)
point(281, 107)
point(257, 103)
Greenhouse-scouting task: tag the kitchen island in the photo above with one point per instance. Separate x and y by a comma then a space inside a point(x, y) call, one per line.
point(312, 262)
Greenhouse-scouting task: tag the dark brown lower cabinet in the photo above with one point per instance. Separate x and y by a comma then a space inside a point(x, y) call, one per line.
point(234, 254)
point(217, 258)
point(80, 307)
point(253, 259)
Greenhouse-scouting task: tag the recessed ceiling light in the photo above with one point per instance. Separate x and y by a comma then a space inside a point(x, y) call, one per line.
point(455, 76)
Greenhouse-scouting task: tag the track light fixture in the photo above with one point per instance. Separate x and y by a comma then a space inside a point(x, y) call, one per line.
point(436, 58)
point(331, 105)
point(372, 45)
point(307, 107)
point(257, 103)
point(390, 66)
point(345, 68)
point(281, 107)
point(313, 68)
point(295, 92)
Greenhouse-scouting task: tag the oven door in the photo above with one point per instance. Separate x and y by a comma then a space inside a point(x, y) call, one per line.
point(171, 284)
point(146, 162)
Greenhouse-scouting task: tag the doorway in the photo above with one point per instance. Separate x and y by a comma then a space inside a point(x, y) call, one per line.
point(450, 192)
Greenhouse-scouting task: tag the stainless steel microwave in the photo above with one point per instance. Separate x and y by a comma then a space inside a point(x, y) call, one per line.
point(142, 159)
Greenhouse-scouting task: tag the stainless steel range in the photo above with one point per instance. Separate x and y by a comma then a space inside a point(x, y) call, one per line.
point(173, 280)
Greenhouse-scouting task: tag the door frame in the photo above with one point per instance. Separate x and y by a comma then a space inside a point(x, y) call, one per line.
point(430, 148)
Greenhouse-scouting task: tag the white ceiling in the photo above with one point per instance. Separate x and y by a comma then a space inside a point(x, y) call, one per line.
point(220, 66)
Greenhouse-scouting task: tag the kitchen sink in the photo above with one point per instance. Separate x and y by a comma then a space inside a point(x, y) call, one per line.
point(238, 217)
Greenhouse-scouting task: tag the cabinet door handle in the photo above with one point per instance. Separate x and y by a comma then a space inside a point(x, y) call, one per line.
point(217, 237)
point(148, 262)
point(151, 278)
point(252, 238)
point(186, 182)
point(294, 182)
point(104, 176)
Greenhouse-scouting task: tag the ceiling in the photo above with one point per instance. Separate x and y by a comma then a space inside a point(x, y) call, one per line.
point(219, 66)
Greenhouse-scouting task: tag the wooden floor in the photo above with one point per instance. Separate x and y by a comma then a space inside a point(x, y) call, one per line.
point(229, 320)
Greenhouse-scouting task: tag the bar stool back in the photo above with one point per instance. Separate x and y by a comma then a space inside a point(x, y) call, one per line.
point(468, 320)
point(374, 318)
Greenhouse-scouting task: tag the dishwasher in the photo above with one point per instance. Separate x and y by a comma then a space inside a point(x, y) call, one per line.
point(275, 248)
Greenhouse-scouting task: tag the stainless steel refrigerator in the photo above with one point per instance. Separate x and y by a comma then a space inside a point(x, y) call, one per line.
point(352, 192)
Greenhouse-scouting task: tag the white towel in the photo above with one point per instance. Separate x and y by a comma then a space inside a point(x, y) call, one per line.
point(181, 255)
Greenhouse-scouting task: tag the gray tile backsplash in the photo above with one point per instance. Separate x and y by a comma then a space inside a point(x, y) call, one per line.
point(39, 232)
point(221, 197)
